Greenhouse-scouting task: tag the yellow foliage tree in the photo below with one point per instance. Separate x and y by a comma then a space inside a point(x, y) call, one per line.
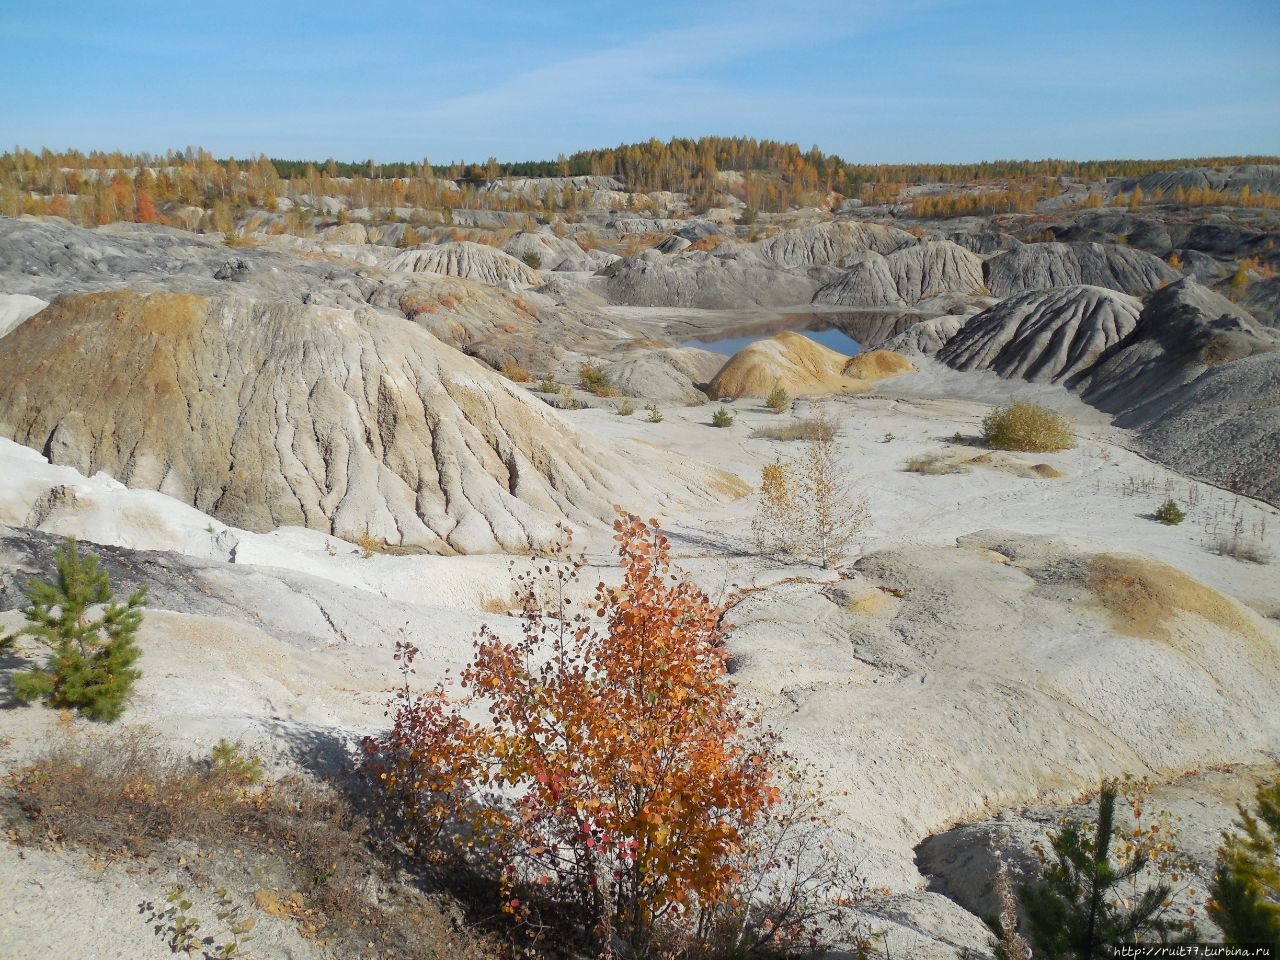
point(614, 773)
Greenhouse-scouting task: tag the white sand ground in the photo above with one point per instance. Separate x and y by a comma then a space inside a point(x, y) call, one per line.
point(990, 685)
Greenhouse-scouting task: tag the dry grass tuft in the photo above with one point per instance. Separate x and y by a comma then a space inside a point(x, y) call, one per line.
point(1142, 596)
point(1046, 471)
point(125, 794)
point(706, 244)
point(1242, 547)
point(492, 603)
point(515, 371)
point(1027, 426)
point(812, 428)
point(933, 464)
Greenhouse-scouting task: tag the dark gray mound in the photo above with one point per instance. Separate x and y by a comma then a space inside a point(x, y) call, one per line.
point(1262, 298)
point(1183, 330)
point(1225, 426)
point(1199, 379)
point(1226, 239)
point(1201, 266)
point(1258, 177)
point(1041, 266)
point(1103, 226)
point(1046, 336)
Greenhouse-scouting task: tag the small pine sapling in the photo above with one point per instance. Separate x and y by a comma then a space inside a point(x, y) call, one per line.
point(1092, 893)
point(1245, 892)
point(92, 669)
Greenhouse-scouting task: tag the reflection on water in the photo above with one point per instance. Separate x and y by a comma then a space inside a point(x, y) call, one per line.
point(834, 339)
point(842, 330)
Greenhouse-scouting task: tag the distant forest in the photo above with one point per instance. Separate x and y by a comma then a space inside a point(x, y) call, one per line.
point(104, 187)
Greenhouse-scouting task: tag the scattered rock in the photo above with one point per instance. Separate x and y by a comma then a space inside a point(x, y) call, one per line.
point(234, 269)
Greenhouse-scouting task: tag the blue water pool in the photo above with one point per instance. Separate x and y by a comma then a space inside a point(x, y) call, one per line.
point(834, 339)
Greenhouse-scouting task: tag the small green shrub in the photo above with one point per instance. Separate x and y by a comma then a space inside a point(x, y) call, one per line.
point(778, 398)
point(532, 259)
point(722, 418)
point(179, 927)
point(1027, 426)
point(548, 386)
point(655, 415)
point(594, 380)
point(626, 408)
point(1169, 513)
point(92, 668)
point(228, 760)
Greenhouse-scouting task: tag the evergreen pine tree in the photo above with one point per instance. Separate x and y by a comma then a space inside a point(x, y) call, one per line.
point(1246, 884)
point(92, 668)
point(1079, 907)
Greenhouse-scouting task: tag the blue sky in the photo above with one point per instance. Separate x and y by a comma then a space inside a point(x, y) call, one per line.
point(872, 80)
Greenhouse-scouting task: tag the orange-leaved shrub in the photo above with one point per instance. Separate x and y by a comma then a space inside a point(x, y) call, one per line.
point(599, 763)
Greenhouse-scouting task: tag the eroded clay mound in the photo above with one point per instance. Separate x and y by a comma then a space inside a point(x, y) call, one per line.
point(926, 337)
point(1182, 330)
point(868, 282)
point(271, 414)
point(462, 258)
point(830, 243)
point(1041, 266)
point(714, 281)
point(670, 374)
point(921, 271)
point(1044, 336)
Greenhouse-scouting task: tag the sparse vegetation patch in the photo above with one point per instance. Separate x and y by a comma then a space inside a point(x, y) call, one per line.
point(1029, 427)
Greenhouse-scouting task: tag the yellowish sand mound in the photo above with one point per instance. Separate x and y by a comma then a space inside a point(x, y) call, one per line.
point(1142, 597)
point(877, 365)
point(802, 366)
